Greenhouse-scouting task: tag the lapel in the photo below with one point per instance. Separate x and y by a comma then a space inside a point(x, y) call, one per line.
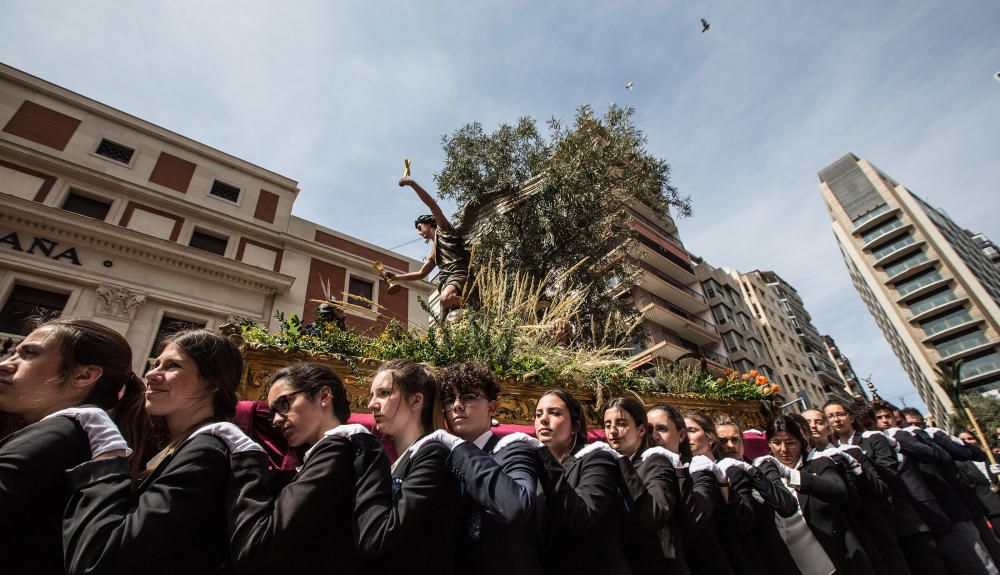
point(804, 497)
point(402, 466)
point(491, 444)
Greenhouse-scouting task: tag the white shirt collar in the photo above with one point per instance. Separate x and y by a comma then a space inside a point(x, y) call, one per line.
point(483, 439)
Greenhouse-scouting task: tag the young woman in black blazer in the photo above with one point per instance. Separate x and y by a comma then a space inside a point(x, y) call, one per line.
point(419, 490)
point(712, 503)
point(62, 364)
point(580, 482)
point(769, 497)
point(653, 522)
point(174, 520)
point(309, 526)
point(815, 536)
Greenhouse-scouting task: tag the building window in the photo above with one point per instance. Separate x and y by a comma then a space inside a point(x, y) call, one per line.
point(26, 304)
point(931, 301)
point(86, 206)
point(961, 343)
point(980, 365)
point(116, 152)
point(893, 247)
point(168, 327)
point(225, 191)
point(946, 321)
point(208, 242)
point(913, 284)
point(905, 264)
point(722, 314)
point(361, 288)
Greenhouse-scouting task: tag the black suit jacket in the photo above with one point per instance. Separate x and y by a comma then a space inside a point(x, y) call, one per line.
point(653, 522)
point(774, 499)
point(738, 520)
point(701, 499)
point(174, 523)
point(924, 501)
point(308, 526)
point(941, 478)
point(34, 492)
point(500, 531)
point(822, 497)
point(410, 522)
point(582, 514)
point(881, 457)
point(974, 479)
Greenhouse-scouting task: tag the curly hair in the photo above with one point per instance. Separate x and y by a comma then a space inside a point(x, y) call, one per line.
point(458, 378)
point(425, 219)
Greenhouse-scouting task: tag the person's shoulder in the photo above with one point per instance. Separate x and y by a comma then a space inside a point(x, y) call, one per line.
point(42, 435)
point(431, 452)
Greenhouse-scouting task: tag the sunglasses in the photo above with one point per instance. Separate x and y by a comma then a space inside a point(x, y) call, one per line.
point(283, 404)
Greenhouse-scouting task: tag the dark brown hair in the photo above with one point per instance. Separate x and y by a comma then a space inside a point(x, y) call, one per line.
point(675, 417)
point(789, 425)
point(413, 378)
point(310, 378)
point(85, 342)
point(458, 378)
point(577, 417)
point(637, 411)
point(706, 425)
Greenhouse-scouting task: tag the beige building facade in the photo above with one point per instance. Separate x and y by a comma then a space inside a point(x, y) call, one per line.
point(928, 285)
point(112, 218)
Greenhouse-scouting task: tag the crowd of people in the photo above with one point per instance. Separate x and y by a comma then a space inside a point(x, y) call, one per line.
point(849, 489)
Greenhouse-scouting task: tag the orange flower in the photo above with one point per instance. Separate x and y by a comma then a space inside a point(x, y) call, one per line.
point(761, 380)
point(753, 373)
point(718, 380)
point(745, 376)
point(775, 388)
point(727, 372)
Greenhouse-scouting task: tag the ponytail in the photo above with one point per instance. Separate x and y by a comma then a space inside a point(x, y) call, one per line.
point(130, 417)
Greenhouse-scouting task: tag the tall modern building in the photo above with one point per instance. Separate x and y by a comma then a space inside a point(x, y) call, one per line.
point(801, 364)
point(852, 385)
point(928, 285)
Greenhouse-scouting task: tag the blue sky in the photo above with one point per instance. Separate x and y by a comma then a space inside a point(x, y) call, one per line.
point(334, 95)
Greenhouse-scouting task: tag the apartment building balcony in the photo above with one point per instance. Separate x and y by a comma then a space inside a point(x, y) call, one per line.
point(923, 290)
point(957, 302)
point(660, 220)
point(911, 271)
point(888, 235)
point(967, 351)
point(951, 330)
point(663, 227)
point(664, 256)
point(982, 370)
point(907, 249)
point(687, 326)
point(669, 347)
point(874, 218)
point(668, 288)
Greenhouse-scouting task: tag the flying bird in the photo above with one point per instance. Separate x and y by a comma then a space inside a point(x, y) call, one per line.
point(628, 85)
point(705, 25)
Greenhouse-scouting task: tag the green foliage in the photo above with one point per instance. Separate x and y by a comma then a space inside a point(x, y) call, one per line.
point(590, 172)
point(986, 408)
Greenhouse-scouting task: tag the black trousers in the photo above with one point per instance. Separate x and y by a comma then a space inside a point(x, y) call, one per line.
point(959, 554)
point(922, 555)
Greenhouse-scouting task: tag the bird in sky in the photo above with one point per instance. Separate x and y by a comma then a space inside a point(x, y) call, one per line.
point(705, 25)
point(628, 85)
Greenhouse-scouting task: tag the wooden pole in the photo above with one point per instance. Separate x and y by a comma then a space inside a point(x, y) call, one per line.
point(979, 434)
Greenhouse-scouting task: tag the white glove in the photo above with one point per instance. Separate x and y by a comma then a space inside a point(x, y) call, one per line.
point(597, 446)
point(913, 429)
point(783, 470)
point(891, 432)
point(890, 438)
point(995, 468)
point(102, 433)
point(438, 436)
point(703, 463)
point(932, 431)
point(347, 430)
point(956, 440)
point(854, 466)
point(517, 437)
point(727, 462)
point(675, 459)
point(234, 438)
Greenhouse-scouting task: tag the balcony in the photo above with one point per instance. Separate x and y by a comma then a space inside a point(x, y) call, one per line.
point(951, 330)
point(666, 260)
point(909, 248)
point(668, 288)
point(965, 351)
point(669, 233)
point(944, 306)
point(662, 312)
point(667, 346)
point(888, 235)
point(913, 270)
point(874, 218)
point(923, 290)
point(980, 370)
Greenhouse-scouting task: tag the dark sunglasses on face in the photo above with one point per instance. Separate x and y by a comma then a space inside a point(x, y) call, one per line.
point(283, 404)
